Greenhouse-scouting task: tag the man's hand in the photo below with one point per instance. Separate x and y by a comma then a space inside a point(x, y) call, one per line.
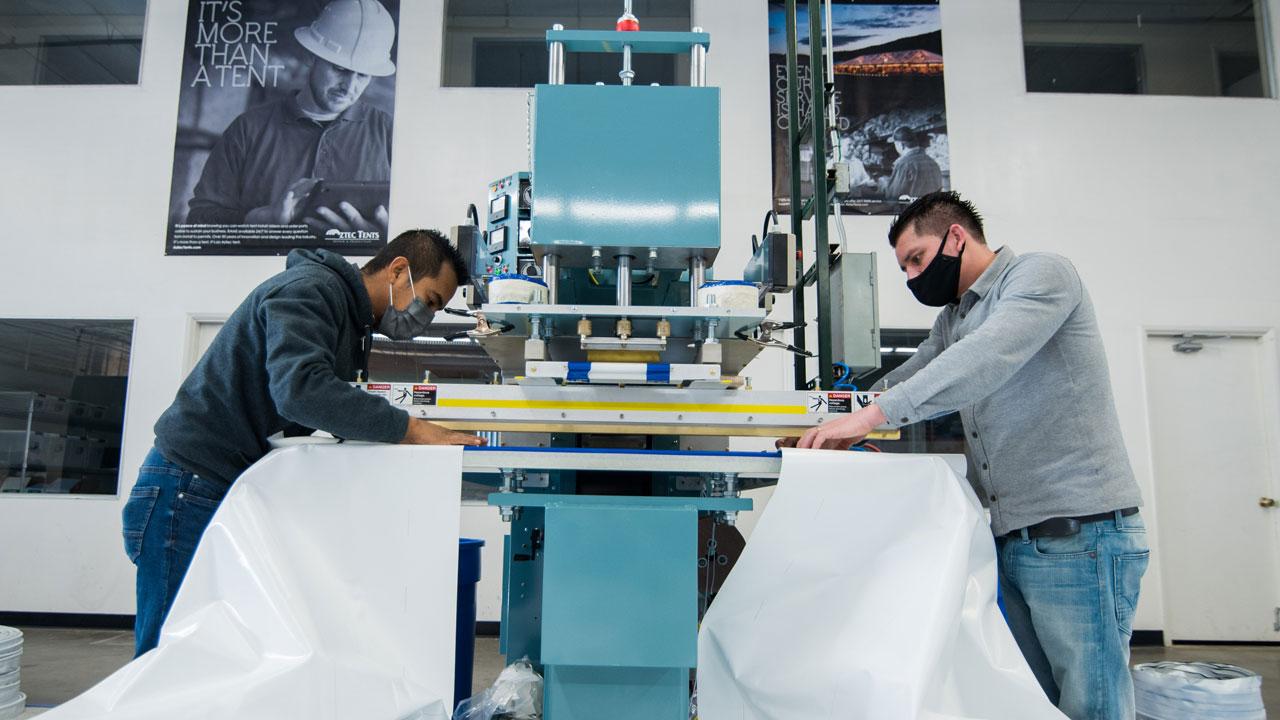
point(833, 444)
point(421, 432)
point(348, 219)
point(285, 209)
point(846, 431)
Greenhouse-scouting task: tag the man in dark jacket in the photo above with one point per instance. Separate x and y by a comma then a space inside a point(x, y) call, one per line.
point(281, 364)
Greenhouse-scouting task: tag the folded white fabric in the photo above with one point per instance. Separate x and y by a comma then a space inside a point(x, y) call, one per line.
point(867, 590)
point(323, 589)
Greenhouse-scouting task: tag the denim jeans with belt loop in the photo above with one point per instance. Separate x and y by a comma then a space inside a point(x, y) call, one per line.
point(1070, 603)
point(167, 513)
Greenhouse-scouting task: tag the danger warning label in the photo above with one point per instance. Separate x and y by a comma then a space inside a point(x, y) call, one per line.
point(839, 402)
point(424, 394)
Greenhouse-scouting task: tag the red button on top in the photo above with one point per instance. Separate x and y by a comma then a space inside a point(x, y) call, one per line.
point(628, 23)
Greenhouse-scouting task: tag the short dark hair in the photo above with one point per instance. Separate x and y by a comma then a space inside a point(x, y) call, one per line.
point(910, 137)
point(932, 214)
point(427, 252)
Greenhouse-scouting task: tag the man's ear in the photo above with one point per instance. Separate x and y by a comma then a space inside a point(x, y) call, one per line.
point(398, 267)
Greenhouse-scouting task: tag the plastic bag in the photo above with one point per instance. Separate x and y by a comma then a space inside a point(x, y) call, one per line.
point(867, 590)
point(515, 695)
point(1211, 691)
point(281, 616)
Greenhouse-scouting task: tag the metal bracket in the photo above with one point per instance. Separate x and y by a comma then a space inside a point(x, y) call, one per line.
point(595, 342)
point(484, 327)
point(762, 335)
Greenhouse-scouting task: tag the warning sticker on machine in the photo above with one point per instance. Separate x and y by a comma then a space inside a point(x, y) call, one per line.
point(839, 402)
point(382, 390)
point(424, 394)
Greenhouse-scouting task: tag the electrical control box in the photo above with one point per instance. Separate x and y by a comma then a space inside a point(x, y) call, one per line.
point(506, 249)
point(855, 330)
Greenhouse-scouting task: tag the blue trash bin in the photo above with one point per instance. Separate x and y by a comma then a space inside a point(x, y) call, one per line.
point(465, 639)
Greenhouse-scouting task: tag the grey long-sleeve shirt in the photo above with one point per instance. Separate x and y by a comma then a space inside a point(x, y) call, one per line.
point(1021, 358)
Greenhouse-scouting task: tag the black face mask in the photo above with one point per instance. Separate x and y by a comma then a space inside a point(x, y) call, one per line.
point(939, 283)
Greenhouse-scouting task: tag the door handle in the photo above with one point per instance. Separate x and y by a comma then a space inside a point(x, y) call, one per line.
point(1267, 502)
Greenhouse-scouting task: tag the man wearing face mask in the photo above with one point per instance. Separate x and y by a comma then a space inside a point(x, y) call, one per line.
point(281, 364)
point(1016, 350)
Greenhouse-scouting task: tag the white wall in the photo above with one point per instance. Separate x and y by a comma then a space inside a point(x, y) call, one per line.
point(1162, 202)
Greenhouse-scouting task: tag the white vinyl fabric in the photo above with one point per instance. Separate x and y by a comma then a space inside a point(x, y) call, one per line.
point(867, 590)
point(324, 588)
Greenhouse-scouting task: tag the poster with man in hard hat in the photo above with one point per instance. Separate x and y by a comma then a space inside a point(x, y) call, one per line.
point(284, 127)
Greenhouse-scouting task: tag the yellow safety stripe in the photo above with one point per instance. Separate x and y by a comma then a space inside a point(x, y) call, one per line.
point(635, 406)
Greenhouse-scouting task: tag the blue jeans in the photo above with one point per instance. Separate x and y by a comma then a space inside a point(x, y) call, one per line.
point(167, 512)
point(1069, 602)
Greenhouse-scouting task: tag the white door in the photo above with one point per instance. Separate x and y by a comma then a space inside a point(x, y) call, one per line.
point(200, 335)
point(1213, 425)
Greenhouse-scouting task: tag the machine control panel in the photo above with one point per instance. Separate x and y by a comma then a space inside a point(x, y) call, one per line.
point(507, 249)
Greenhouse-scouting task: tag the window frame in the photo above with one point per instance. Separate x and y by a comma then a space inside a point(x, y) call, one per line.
point(449, 74)
point(37, 47)
point(1266, 48)
point(122, 482)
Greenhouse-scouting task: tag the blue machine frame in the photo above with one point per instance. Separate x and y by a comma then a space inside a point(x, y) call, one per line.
point(644, 173)
point(601, 590)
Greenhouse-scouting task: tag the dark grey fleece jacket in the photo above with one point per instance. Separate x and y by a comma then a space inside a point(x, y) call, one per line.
point(282, 362)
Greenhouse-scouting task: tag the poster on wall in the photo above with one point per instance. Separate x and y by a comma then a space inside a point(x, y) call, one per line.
point(284, 127)
point(890, 103)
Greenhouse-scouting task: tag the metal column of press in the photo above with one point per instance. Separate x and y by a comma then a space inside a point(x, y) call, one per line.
point(555, 76)
point(797, 199)
point(697, 78)
point(697, 276)
point(555, 68)
point(551, 276)
point(698, 64)
point(624, 280)
point(821, 248)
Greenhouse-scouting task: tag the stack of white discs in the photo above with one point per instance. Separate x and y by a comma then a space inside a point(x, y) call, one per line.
point(12, 701)
point(1205, 691)
point(729, 294)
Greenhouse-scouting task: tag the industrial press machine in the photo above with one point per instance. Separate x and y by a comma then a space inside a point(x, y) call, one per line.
point(619, 386)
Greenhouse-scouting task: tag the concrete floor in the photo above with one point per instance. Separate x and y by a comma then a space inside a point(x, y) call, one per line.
point(58, 664)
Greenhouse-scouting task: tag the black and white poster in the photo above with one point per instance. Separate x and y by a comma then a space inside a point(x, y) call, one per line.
point(890, 103)
point(284, 127)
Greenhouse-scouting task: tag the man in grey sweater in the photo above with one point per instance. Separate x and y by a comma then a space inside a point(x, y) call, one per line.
point(282, 364)
point(1016, 350)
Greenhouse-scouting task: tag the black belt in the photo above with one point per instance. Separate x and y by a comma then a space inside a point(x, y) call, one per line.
point(1067, 526)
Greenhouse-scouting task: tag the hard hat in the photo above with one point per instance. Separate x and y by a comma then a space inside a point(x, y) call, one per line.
point(354, 34)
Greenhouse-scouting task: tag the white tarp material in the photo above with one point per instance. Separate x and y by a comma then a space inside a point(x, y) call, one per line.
point(867, 590)
point(324, 588)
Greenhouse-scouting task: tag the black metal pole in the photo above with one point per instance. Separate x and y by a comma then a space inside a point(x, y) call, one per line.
point(797, 199)
point(818, 115)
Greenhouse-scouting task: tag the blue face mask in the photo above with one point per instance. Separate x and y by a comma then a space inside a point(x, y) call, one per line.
point(408, 323)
